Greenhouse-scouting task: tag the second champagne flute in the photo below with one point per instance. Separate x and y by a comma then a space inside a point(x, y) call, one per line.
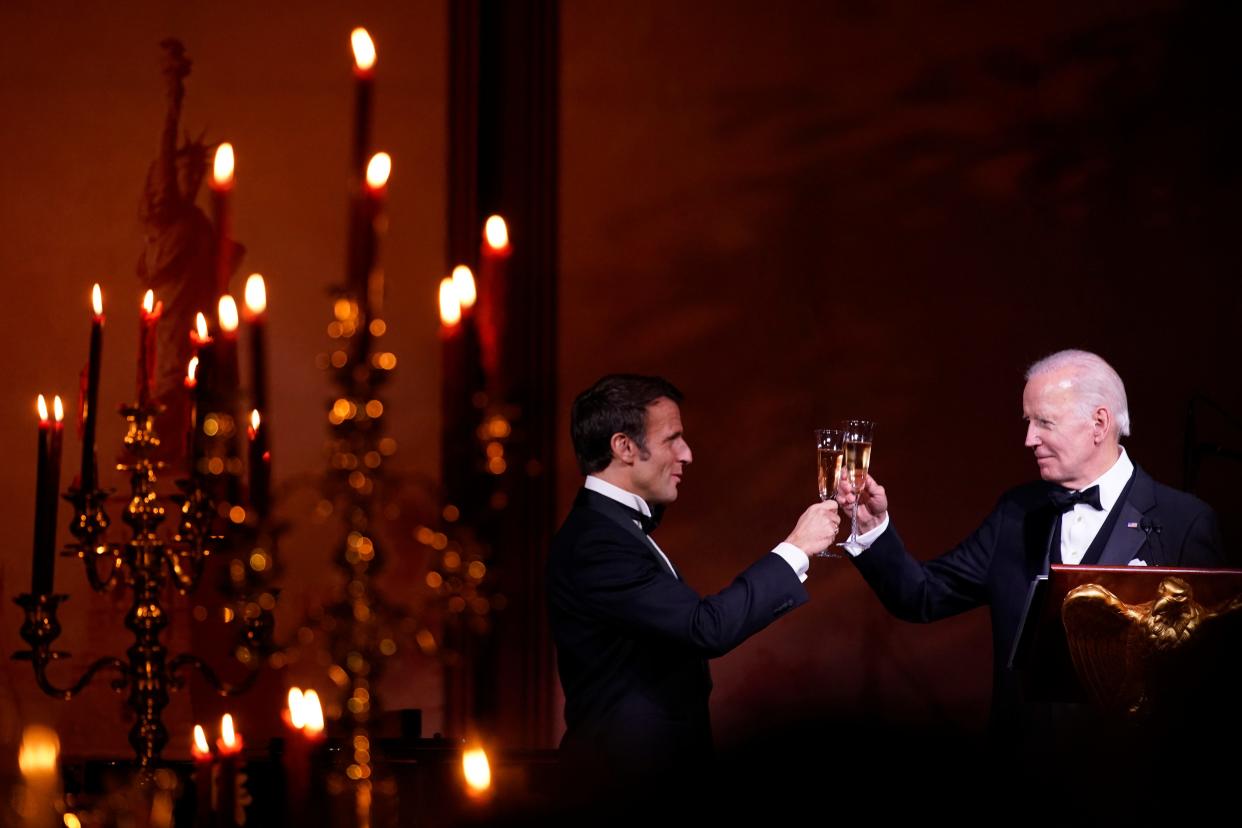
point(856, 457)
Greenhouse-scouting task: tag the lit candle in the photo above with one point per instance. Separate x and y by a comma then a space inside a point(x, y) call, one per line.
point(224, 392)
point(464, 287)
point(450, 307)
point(364, 74)
point(38, 759)
point(303, 720)
point(296, 757)
point(229, 746)
point(221, 189)
point(203, 766)
point(256, 318)
point(42, 561)
point(89, 474)
point(224, 381)
point(477, 772)
point(260, 465)
point(365, 225)
point(148, 319)
point(204, 352)
point(471, 360)
point(191, 435)
point(493, 287)
point(460, 384)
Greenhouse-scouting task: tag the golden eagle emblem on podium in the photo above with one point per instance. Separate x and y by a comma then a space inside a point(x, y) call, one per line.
point(1133, 658)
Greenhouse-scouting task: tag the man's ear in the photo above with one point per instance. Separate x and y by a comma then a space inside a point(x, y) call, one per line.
point(1101, 424)
point(623, 448)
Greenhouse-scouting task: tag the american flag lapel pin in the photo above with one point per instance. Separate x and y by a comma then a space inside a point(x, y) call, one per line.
point(1132, 525)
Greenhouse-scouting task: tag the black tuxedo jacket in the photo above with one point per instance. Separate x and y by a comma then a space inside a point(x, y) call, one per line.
point(997, 563)
point(632, 640)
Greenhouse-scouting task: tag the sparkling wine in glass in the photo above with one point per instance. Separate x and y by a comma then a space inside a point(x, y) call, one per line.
point(856, 457)
point(830, 460)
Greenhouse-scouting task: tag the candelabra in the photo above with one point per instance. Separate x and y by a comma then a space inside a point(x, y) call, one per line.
point(144, 564)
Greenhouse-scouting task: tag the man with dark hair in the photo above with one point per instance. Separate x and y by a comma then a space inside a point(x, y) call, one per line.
point(632, 638)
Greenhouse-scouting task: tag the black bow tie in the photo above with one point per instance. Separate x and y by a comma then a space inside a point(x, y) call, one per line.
point(648, 522)
point(1065, 500)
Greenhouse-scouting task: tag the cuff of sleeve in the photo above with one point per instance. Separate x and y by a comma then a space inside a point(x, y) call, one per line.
point(865, 540)
point(795, 557)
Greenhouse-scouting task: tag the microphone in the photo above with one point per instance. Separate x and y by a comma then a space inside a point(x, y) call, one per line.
point(1156, 551)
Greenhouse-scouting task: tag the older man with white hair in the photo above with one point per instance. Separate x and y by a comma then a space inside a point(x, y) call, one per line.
point(1092, 506)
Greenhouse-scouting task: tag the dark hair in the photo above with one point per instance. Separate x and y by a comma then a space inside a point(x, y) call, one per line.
point(615, 404)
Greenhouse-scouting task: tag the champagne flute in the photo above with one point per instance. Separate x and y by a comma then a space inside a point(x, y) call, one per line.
point(829, 447)
point(857, 460)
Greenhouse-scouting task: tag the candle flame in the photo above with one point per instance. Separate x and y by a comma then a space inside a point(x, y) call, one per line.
point(222, 168)
point(97, 300)
point(477, 770)
point(148, 301)
point(42, 404)
point(39, 751)
point(463, 283)
point(200, 325)
point(254, 423)
point(312, 712)
point(364, 49)
point(72, 821)
point(227, 735)
point(378, 170)
point(58, 408)
point(256, 293)
point(496, 233)
point(191, 371)
point(201, 748)
point(450, 304)
point(228, 313)
point(297, 708)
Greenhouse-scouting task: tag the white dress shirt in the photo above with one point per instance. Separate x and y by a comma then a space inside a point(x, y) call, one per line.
point(792, 555)
point(1079, 526)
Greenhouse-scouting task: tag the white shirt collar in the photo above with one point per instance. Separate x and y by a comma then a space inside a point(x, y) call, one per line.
point(601, 486)
point(1113, 481)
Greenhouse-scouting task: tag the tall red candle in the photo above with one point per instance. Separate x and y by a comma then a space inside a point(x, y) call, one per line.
point(230, 806)
point(203, 765)
point(89, 474)
point(493, 286)
point(256, 320)
point(191, 389)
point(200, 404)
point(224, 392)
point(364, 79)
point(148, 319)
point(260, 465)
point(304, 733)
point(42, 561)
point(221, 190)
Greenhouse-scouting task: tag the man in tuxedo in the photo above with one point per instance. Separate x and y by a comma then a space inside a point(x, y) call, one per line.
point(632, 637)
point(1091, 506)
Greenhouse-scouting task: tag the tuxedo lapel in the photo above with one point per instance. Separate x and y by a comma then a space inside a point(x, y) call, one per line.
point(1128, 536)
point(618, 514)
point(1037, 528)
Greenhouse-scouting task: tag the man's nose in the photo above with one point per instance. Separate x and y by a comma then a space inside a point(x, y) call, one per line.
point(1032, 440)
point(686, 456)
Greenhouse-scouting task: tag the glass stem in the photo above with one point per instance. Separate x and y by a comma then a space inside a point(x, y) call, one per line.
point(854, 520)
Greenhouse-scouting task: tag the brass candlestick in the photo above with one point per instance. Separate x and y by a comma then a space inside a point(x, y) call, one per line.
point(143, 564)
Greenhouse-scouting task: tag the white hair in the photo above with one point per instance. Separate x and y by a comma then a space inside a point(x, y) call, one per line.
point(1095, 384)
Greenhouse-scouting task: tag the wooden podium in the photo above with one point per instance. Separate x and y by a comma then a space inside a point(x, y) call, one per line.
point(1140, 643)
